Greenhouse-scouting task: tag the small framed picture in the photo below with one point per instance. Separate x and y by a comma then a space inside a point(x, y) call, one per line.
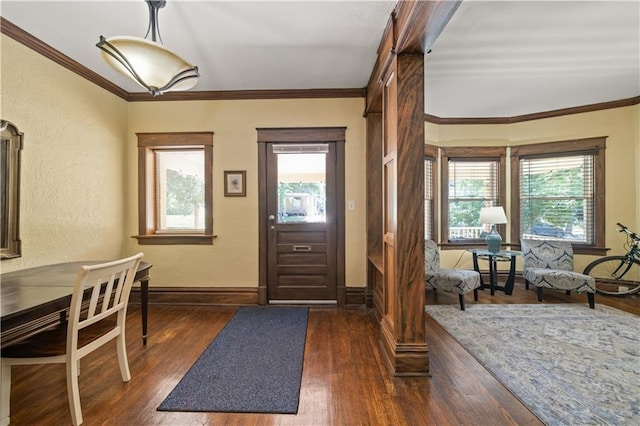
point(235, 183)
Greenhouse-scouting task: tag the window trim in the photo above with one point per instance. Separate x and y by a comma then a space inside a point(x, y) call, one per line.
point(147, 144)
point(480, 153)
point(595, 146)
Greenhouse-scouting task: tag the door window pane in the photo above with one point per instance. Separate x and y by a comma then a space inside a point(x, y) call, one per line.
point(302, 187)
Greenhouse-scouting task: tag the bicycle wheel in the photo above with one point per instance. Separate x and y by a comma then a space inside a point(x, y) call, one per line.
point(615, 275)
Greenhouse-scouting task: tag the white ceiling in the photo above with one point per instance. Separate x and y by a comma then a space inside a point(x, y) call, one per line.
point(494, 58)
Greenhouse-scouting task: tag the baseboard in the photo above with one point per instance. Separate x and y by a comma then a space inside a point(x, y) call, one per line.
point(198, 296)
point(355, 296)
point(221, 296)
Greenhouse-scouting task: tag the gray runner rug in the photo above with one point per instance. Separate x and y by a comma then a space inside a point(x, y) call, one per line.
point(569, 364)
point(254, 365)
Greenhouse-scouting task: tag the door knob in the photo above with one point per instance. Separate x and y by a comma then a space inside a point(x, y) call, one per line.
point(272, 217)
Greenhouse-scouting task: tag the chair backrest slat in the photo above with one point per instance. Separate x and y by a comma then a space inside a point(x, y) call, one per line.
point(108, 293)
point(95, 296)
point(109, 284)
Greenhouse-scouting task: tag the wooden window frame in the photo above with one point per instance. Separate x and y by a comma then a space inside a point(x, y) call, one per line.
point(589, 146)
point(147, 220)
point(480, 153)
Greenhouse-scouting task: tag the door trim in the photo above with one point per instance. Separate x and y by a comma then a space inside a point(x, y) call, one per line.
point(301, 135)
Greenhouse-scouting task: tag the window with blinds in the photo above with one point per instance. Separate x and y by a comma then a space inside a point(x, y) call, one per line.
point(557, 197)
point(473, 184)
point(558, 192)
point(179, 189)
point(429, 195)
point(175, 184)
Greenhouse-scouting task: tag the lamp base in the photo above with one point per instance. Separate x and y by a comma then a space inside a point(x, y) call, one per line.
point(494, 240)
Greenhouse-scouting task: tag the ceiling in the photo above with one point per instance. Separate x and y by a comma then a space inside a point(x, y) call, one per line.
point(493, 59)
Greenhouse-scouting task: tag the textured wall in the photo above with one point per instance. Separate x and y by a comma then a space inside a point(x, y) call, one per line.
point(232, 260)
point(72, 162)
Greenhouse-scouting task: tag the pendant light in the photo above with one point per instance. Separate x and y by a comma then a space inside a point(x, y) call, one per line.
point(147, 62)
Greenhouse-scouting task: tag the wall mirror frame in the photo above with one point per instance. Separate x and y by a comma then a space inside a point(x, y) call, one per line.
point(10, 151)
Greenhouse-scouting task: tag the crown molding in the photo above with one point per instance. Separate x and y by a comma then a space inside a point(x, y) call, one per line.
point(534, 116)
point(226, 95)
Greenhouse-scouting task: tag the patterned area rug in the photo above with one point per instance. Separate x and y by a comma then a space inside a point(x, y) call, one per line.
point(569, 364)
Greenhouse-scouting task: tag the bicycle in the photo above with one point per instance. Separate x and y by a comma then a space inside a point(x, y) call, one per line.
point(618, 275)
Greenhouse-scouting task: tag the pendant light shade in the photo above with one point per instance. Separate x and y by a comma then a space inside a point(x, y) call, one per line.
point(147, 62)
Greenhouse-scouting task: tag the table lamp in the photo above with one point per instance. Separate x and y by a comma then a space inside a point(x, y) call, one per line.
point(493, 216)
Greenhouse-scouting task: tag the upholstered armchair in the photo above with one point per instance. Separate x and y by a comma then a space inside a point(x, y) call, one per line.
point(549, 264)
point(458, 281)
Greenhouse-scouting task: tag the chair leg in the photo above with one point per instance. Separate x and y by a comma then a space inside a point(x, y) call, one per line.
point(539, 294)
point(6, 394)
point(461, 298)
point(475, 294)
point(73, 390)
point(592, 300)
point(122, 357)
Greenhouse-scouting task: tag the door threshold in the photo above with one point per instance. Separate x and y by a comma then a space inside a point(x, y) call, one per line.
point(303, 302)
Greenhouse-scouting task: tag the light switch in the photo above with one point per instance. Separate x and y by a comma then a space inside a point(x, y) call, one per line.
point(351, 205)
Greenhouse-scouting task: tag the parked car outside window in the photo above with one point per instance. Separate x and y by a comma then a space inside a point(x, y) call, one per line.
point(547, 229)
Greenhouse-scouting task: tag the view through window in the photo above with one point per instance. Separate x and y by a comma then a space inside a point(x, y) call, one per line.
point(302, 187)
point(557, 197)
point(472, 185)
point(180, 189)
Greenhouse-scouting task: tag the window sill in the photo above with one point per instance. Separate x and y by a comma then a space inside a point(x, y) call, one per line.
point(577, 247)
point(175, 239)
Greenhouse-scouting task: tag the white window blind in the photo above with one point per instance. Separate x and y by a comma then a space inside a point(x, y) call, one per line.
point(557, 197)
point(472, 185)
point(429, 195)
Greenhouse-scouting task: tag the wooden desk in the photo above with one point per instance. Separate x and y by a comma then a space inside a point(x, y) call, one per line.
point(31, 294)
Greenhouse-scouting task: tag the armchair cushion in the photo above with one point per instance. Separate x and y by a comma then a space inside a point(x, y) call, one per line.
point(559, 279)
point(458, 281)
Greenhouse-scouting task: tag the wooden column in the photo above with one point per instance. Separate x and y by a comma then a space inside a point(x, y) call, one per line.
point(402, 326)
point(396, 89)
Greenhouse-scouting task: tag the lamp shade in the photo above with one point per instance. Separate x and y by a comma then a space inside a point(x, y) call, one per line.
point(492, 215)
point(150, 64)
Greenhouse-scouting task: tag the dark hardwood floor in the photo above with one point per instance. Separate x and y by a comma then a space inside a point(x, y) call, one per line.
point(344, 380)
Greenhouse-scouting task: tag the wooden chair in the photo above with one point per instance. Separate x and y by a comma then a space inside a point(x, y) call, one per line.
point(100, 319)
point(549, 264)
point(459, 281)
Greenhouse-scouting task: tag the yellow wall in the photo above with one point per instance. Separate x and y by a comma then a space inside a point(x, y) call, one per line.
point(79, 170)
point(72, 173)
point(620, 126)
point(232, 260)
